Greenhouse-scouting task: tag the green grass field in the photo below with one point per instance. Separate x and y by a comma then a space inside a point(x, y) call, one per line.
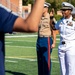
point(21, 56)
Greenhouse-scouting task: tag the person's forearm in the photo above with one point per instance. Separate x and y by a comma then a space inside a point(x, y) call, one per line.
point(54, 36)
point(35, 15)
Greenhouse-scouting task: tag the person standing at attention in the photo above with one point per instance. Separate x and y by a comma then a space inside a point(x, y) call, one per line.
point(10, 22)
point(45, 43)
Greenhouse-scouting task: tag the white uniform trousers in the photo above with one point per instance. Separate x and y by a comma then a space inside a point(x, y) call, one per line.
point(67, 59)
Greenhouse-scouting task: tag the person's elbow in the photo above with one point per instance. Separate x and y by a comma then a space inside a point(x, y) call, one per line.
point(32, 28)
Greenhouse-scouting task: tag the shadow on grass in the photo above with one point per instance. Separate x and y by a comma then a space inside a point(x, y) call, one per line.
point(15, 73)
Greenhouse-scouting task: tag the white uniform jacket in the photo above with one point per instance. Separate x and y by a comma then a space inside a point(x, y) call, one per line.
point(66, 28)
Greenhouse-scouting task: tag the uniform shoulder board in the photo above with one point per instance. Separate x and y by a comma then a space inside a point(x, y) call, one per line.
point(73, 19)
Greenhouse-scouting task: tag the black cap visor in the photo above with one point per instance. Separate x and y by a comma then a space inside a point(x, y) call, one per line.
point(66, 8)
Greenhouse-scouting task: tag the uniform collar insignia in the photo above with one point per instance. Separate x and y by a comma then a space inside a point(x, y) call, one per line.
point(70, 24)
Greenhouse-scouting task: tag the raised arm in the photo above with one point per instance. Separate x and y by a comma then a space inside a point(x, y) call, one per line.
point(30, 24)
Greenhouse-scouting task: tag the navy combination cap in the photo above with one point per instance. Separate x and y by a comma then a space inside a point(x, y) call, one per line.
point(67, 6)
point(73, 12)
point(47, 4)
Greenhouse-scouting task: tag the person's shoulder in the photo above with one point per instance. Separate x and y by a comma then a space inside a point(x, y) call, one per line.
point(60, 20)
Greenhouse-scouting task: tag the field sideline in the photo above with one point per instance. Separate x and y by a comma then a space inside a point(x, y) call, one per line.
point(21, 56)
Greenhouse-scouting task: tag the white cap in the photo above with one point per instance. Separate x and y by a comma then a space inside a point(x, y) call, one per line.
point(73, 12)
point(66, 5)
point(47, 4)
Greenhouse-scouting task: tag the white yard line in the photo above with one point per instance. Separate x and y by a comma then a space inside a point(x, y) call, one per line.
point(11, 61)
point(21, 36)
point(26, 47)
point(8, 42)
point(20, 46)
point(29, 59)
point(55, 61)
point(15, 36)
point(24, 40)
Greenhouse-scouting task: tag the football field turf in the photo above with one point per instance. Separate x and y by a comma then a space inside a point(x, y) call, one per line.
point(21, 56)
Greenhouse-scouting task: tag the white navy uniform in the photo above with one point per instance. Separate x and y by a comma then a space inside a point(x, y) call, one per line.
point(66, 48)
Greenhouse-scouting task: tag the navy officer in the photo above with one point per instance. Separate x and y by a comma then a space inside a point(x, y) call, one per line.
point(66, 48)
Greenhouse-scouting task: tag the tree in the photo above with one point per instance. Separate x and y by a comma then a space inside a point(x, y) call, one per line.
point(26, 2)
point(56, 4)
point(73, 2)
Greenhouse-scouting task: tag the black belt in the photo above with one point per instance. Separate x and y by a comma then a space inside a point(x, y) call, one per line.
point(63, 42)
point(44, 36)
